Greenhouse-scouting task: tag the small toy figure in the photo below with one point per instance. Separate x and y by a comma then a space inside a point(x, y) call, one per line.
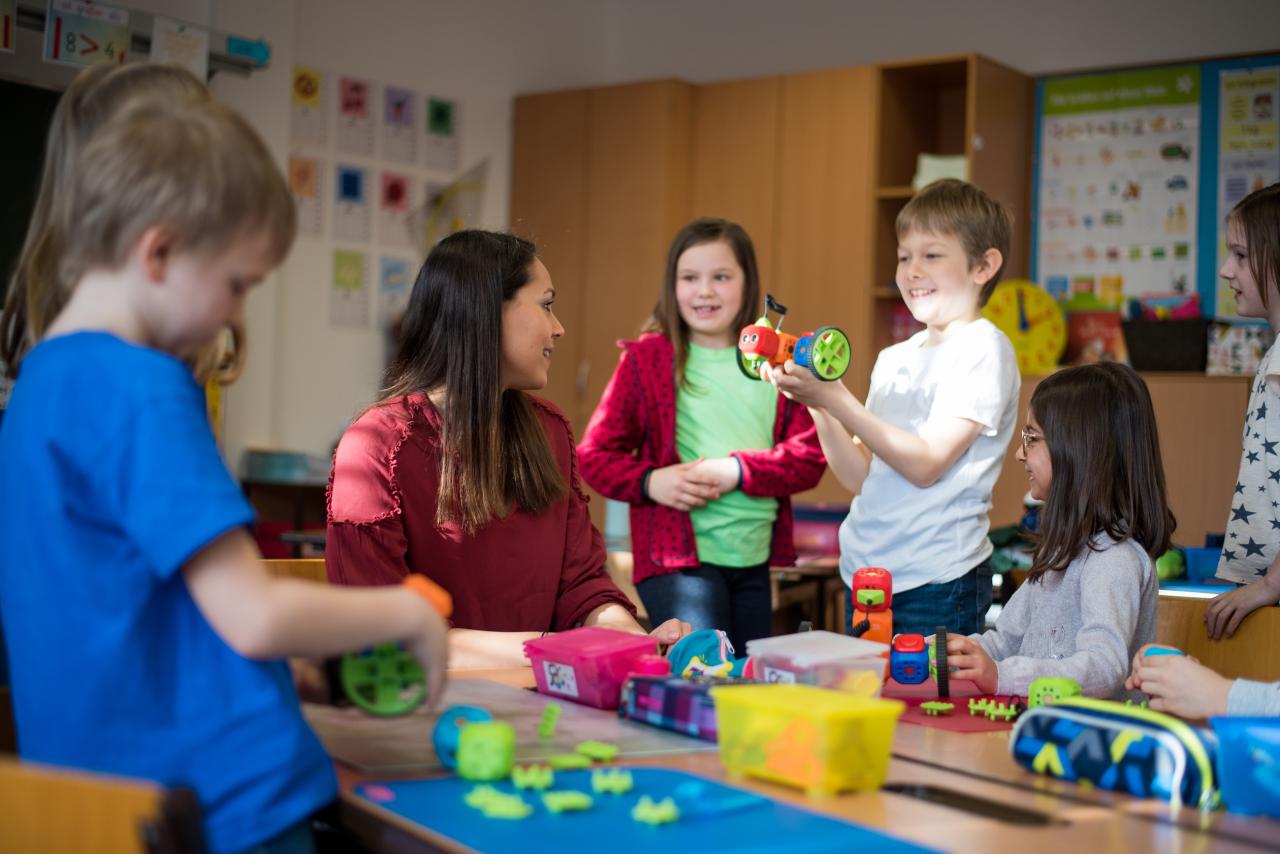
point(495, 804)
point(651, 812)
point(486, 751)
point(532, 777)
point(568, 800)
point(825, 352)
point(872, 593)
point(614, 781)
point(908, 660)
point(707, 652)
point(933, 708)
point(445, 737)
point(1048, 689)
point(547, 726)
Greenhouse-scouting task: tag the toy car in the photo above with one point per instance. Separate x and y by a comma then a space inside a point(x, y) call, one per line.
point(825, 351)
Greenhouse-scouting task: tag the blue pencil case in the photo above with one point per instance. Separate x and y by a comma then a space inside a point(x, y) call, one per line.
point(672, 702)
point(1119, 747)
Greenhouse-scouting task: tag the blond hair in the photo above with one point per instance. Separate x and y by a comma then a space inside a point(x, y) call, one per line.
point(35, 294)
point(958, 209)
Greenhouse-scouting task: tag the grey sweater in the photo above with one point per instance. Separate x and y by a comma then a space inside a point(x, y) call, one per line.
point(1086, 622)
point(1254, 698)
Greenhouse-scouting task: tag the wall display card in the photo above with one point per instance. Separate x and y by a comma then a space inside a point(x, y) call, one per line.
point(352, 217)
point(399, 125)
point(355, 116)
point(395, 280)
point(1236, 349)
point(308, 123)
point(1118, 178)
point(349, 297)
point(393, 208)
point(448, 207)
point(306, 182)
point(1248, 151)
point(442, 134)
point(77, 33)
point(181, 44)
point(8, 13)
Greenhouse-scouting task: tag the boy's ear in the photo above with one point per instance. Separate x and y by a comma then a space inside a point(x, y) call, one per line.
point(988, 266)
point(154, 251)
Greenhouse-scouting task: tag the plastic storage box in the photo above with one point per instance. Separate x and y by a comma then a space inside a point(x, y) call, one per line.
point(1201, 563)
point(821, 741)
point(824, 659)
point(1249, 764)
point(587, 665)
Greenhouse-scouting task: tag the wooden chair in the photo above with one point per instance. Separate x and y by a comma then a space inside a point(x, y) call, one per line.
point(1254, 652)
point(46, 810)
point(306, 569)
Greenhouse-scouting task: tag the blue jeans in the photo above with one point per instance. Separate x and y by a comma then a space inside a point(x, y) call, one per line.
point(960, 605)
point(734, 599)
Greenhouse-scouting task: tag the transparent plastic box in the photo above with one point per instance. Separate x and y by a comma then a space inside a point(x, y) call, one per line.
point(823, 659)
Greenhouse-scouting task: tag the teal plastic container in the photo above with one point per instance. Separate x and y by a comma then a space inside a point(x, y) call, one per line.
point(1249, 764)
point(1201, 563)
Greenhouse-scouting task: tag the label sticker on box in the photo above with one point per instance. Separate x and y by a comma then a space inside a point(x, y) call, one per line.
point(772, 674)
point(561, 678)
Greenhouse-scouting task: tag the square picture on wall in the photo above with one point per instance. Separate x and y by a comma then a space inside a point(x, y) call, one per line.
point(442, 134)
point(351, 212)
point(355, 116)
point(308, 107)
point(306, 182)
point(349, 297)
point(399, 125)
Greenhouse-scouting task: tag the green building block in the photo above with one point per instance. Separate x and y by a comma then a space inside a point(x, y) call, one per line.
point(978, 708)
point(495, 804)
point(566, 800)
point(1001, 711)
point(600, 751)
point(933, 708)
point(616, 781)
point(532, 777)
point(566, 761)
point(655, 813)
point(1048, 689)
point(486, 750)
point(547, 726)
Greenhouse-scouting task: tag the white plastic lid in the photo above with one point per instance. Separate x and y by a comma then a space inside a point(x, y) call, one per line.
point(806, 649)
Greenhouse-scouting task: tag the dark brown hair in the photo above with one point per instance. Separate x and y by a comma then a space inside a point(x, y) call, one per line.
point(494, 452)
point(1100, 431)
point(958, 209)
point(1258, 215)
point(666, 317)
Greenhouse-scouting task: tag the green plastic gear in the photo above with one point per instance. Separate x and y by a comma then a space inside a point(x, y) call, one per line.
point(749, 365)
point(831, 353)
point(384, 681)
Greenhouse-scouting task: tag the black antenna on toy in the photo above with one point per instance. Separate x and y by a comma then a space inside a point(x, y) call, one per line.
point(773, 305)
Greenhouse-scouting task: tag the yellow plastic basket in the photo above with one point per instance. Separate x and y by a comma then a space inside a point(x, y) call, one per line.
point(820, 740)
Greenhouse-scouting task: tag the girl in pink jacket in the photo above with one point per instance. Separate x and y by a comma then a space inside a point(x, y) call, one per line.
point(706, 457)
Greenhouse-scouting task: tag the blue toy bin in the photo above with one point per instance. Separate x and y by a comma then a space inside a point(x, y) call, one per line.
point(1249, 764)
point(1201, 563)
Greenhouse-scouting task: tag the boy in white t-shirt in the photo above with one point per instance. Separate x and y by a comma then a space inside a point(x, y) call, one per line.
point(927, 446)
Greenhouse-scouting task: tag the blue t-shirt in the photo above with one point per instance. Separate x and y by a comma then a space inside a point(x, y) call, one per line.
point(110, 480)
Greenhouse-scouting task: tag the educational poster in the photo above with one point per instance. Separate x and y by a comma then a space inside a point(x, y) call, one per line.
point(351, 213)
point(349, 298)
point(83, 33)
point(306, 182)
point(1248, 151)
point(393, 209)
point(1118, 178)
point(399, 125)
point(181, 44)
point(395, 280)
point(308, 119)
point(442, 134)
point(448, 207)
point(8, 10)
point(355, 116)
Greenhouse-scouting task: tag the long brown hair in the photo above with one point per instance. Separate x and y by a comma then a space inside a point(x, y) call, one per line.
point(666, 318)
point(1258, 215)
point(494, 451)
point(1100, 430)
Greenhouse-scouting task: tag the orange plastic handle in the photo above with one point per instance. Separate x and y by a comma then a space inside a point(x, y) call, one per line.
point(436, 595)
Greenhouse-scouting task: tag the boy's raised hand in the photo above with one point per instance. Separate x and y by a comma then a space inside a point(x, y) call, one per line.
point(968, 660)
point(683, 486)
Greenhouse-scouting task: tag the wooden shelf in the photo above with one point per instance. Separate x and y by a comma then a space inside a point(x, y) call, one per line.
point(896, 192)
point(888, 292)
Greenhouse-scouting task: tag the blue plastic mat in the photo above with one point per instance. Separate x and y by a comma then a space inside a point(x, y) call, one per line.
point(714, 817)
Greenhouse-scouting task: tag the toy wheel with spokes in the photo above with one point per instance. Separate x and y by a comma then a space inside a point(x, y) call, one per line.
point(750, 367)
point(384, 680)
point(941, 674)
point(831, 353)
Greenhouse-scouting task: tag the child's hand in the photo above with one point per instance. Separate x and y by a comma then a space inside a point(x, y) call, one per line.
point(430, 647)
point(1179, 685)
point(1227, 611)
point(725, 471)
point(968, 660)
point(682, 486)
point(799, 384)
point(670, 631)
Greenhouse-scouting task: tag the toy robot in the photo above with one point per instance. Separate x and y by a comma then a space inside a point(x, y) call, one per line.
point(872, 593)
point(825, 351)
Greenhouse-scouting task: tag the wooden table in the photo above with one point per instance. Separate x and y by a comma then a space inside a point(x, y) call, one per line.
point(975, 765)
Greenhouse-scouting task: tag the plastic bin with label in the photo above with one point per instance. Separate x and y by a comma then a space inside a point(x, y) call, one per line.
point(587, 665)
point(824, 659)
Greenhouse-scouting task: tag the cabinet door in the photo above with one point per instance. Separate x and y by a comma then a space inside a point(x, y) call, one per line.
point(735, 159)
point(999, 147)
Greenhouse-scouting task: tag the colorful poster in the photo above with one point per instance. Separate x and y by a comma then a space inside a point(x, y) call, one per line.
point(309, 118)
point(395, 279)
point(351, 214)
point(442, 134)
point(180, 44)
point(82, 33)
point(1248, 151)
point(355, 116)
point(399, 125)
point(448, 207)
point(1118, 178)
point(349, 297)
point(8, 13)
point(393, 207)
point(306, 182)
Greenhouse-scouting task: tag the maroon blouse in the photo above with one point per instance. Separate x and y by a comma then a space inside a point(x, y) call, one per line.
point(523, 573)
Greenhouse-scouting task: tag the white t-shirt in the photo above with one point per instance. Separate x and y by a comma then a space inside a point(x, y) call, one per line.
point(936, 534)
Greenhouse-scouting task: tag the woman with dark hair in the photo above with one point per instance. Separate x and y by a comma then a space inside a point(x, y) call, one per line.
point(460, 475)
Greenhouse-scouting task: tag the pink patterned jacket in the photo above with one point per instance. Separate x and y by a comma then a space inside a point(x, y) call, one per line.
point(633, 430)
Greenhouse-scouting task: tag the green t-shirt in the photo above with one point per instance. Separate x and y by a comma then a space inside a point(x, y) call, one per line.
point(719, 410)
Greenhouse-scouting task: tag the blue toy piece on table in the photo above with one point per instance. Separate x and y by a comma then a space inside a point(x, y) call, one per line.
point(909, 660)
point(448, 732)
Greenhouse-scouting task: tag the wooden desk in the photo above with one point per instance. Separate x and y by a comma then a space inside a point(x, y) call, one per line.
point(927, 758)
point(1254, 652)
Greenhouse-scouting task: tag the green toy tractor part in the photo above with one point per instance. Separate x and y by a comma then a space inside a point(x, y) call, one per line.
point(384, 680)
point(1049, 689)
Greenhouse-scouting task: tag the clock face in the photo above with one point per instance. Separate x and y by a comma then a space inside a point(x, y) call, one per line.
point(1034, 322)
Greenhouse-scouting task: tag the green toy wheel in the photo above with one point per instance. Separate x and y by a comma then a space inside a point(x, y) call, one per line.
point(938, 662)
point(831, 353)
point(750, 367)
point(384, 681)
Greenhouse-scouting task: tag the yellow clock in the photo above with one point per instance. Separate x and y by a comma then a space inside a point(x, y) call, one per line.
point(1034, 322)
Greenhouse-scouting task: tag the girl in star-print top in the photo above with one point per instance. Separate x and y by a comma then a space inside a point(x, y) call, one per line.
point(1252, 549)
point(706, 458)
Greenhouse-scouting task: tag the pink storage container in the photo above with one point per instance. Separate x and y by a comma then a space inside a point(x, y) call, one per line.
point(587, 665)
